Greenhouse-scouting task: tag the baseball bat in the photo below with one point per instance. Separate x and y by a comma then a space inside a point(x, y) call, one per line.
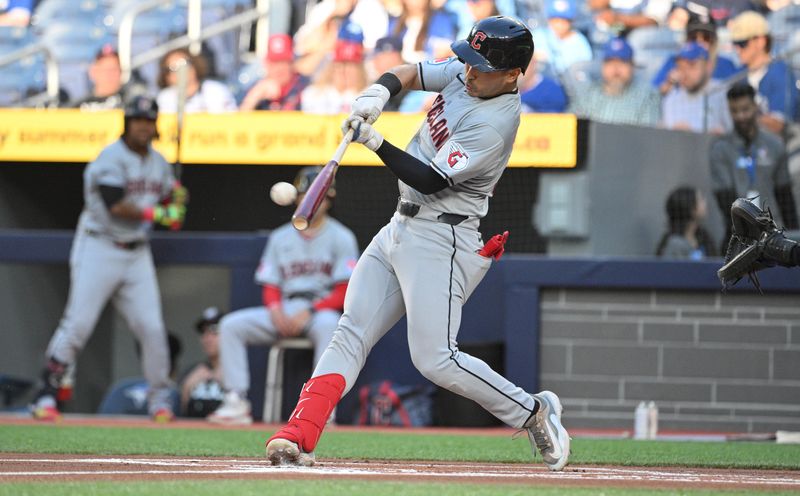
point(180, 67)
point(319, 187)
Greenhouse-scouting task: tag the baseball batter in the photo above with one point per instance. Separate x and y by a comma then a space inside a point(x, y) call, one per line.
point(111, 258)
point(304, 276)
point(429, 258)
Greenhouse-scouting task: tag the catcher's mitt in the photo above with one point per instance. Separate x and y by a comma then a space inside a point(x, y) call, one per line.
point(741, 259)
point(757, 243)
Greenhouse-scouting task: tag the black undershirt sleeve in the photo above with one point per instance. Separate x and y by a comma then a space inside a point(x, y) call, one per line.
point(111, 195)
point(412, 171)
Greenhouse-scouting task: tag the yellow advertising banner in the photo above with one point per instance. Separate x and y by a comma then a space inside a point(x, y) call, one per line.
point(28, 135)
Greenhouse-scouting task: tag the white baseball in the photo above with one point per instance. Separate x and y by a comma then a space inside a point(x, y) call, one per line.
point(283, 193)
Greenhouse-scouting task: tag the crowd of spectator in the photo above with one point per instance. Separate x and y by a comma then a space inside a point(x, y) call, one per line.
point(659, 63)
point(593, 58)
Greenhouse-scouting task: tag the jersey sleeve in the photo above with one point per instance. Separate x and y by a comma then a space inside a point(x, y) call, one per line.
point(268, 271)
point(346, 257)
point(471, 151)
point(106, 171)
point(434, 75)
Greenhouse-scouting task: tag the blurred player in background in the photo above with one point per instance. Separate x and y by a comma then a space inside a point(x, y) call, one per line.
point(127, 188)
point(304, 276)
point(201, 386)
point(429, 258)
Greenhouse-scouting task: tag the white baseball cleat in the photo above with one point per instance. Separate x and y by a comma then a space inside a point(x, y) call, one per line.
point(234, 410)
point(285, 452)
point(546, 433)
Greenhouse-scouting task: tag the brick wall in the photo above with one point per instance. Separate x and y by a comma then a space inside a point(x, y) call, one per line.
point(711, 362)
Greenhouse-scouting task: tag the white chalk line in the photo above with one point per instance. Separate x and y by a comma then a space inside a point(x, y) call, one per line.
point(409, 469)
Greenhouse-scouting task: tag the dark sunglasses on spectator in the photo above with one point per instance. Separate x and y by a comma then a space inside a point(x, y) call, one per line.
point(742, 43)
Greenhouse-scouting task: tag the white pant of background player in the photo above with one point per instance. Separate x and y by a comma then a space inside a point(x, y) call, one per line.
point(100, 270)
point(427, 270)
point(253, 326)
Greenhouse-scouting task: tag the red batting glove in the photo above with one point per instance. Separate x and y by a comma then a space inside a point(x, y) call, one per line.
point(495, 247)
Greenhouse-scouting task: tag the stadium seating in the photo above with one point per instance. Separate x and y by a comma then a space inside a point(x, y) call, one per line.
point(783, 24)
point(652, 46)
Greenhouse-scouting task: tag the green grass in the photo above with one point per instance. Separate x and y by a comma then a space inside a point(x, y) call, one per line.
point(370, 446)
point(393, 446)
point(323, 488)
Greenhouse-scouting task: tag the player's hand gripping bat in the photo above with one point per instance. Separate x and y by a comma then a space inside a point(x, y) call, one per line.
point(319, 188)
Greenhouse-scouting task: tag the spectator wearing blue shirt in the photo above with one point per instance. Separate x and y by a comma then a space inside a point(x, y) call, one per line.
point(540, 93)
point(559, 45)
point(773, 79)
point(618, 98)
point(695, 103)
point(15, 12)
point(703, 32)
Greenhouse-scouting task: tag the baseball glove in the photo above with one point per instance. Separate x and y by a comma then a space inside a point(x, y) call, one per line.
point(757, 243)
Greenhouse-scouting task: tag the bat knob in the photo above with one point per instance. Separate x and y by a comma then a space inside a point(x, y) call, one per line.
point(300, 223)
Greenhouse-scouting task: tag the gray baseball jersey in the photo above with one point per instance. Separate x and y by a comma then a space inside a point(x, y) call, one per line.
point(305, 268)
point(467, 144)
point(423, 266)
point(110, 259)
point(145, 181)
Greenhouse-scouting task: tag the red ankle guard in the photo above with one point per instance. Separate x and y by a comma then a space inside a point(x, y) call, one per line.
point(317, 400)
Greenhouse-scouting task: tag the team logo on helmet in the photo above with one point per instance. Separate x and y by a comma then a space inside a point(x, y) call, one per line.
point(477, 39)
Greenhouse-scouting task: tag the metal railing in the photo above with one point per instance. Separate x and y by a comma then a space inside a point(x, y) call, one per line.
point(51, 67)
point(195, 32)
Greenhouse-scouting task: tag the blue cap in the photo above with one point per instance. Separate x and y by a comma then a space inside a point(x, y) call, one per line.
point(388, 44)
point(692, 51)
point(618, 48)
point(562, 9)
point(350, 31)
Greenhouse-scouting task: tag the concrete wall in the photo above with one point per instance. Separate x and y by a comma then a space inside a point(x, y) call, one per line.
point(709, 361)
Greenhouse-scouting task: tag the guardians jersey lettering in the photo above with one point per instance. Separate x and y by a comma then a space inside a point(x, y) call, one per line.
point(437, 129)
point(306, 268)
point(465, 139)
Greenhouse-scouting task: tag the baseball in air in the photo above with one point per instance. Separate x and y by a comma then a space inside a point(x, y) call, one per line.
point(283, 193)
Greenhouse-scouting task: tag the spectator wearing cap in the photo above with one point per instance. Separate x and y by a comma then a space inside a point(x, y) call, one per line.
point(617, 97)
point(704, 32)
point(695, 103)
point(772, 79)
point(108, 92)
point(426, 31)
point(282, 86)
point(338, 84)
point(540, 93)
point(202, 94)
point(558, 45)
point(201, 385)
point(15, 12)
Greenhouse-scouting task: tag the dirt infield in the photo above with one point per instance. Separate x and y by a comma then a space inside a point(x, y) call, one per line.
point(36, 467)
point(18, 467)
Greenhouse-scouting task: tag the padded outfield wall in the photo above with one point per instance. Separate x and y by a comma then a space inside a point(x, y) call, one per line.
point(603, 343)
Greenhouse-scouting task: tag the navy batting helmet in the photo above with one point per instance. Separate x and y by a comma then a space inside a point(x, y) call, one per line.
point(141, 107)
point(497, 43)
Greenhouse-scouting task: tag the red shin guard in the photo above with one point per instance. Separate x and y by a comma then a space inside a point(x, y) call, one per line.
point(317, 400)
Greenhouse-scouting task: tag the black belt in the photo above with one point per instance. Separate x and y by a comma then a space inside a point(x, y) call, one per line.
point(306, 295)
point(125, 245)
point(412, 209)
